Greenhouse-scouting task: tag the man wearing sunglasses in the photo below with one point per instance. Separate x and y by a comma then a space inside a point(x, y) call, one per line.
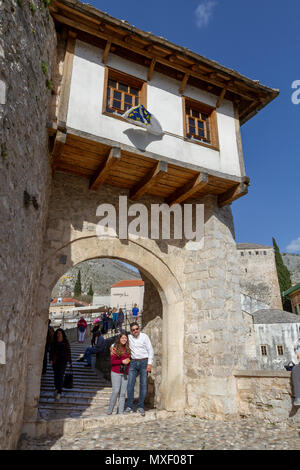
point(140, 364)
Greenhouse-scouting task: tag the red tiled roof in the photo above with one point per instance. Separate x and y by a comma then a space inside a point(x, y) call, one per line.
point(69, 300)
point(129, 283)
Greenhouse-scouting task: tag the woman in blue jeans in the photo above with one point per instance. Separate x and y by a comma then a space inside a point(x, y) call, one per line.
point(120, 360)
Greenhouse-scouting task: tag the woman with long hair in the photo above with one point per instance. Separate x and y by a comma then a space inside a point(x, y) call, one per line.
point(120, 360)
point(60, 355)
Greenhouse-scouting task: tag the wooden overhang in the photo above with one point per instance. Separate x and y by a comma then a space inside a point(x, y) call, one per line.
point(104, 161)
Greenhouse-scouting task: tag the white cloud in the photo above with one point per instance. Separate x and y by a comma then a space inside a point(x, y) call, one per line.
point(204, 12)
point(294, 245)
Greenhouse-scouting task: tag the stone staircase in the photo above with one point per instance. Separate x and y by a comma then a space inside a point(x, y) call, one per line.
point(89, 396)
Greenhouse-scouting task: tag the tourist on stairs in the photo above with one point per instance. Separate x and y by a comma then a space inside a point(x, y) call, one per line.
point(82, 326)
point(60, 355)
point(99, 347)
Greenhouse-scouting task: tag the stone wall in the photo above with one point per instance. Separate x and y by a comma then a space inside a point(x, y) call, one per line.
point(267, 395)
point(27, 39)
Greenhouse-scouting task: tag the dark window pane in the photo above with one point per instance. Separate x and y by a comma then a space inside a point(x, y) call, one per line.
point(201, 124)
point(108, 91)
point(117, 95)
point(128, 99)
point(112, 83)
point(204, 117)
point(136, 101)
point(127, 106)
point(192, 130)
point(195, 113)
point(123, 87)
point(201, 133)
point(191, 122)
point(134, 91)
point(109, 110)
point(117, 104)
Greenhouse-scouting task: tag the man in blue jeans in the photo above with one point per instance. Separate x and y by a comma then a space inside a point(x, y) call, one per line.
point(99, 347)
point(141, 363)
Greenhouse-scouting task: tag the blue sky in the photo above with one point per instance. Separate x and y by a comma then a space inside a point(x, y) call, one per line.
point(260, 39)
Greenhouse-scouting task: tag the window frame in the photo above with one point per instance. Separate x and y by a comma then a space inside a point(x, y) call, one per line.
point(279, 348)
point(205, 108)
point(114, 74)
point(261, 350)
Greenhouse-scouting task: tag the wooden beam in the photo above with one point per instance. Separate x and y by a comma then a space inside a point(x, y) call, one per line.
point(222, 95)
point(148, 52)
point(183, 83)
point(232, 194)
point(106, 52)
point(151, 69)
point(63, 106)
point(59, 143)
point(189, 189)
point(156, 174)
point(112, 159)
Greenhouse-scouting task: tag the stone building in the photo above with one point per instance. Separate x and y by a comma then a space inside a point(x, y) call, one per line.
point(258, 278)
point(271, 339)
point(76, 153)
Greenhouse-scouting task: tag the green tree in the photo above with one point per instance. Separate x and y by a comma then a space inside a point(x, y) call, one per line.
point(77, 287)
point(90, 292)
point(284, 276)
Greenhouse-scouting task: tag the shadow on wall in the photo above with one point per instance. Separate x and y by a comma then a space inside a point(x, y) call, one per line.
point(141, 139)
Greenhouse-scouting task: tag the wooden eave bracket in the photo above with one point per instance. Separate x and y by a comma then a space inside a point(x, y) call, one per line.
point(158, 173)
point(113, 157)
point(222, 95)
point(58, 146)
point(234, 193)
point(189, 189)
point(106, 52)
point(151, 69)
point(183, 83)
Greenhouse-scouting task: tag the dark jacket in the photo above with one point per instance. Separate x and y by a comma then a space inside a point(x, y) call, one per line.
point(60, 351)
point(100, 345)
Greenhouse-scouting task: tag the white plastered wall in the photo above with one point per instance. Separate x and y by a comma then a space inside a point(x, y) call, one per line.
point(163, 100)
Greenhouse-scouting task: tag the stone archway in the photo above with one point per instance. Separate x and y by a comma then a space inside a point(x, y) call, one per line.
point(56, 263)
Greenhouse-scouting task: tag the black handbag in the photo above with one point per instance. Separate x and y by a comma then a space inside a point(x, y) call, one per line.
point(68, 379)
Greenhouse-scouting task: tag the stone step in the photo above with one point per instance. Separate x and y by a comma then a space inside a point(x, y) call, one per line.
point(77, 393)
point(79, 386)
point(73, 400)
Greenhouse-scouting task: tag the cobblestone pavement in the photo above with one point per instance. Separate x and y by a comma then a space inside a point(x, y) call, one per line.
point(186, 433)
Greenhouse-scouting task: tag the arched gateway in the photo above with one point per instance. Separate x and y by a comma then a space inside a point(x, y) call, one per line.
point(168, 287)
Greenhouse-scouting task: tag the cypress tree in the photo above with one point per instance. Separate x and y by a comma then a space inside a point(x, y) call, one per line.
point(284, 276)
point(77, 287)
point(90, 292)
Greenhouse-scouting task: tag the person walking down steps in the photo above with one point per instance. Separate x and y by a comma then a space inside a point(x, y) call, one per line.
point(82, 326)
point(60, 355)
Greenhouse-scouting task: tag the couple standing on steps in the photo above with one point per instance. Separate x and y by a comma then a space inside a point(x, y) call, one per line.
point(131, 355)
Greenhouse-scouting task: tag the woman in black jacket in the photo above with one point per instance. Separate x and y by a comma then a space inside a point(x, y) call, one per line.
point(60, 355)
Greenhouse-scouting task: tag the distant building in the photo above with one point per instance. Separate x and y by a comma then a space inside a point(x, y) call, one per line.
point(65, 306)
point(258, 279)
point(125, 294)
point(294, 295)
point(271, 339)
point(101, 300)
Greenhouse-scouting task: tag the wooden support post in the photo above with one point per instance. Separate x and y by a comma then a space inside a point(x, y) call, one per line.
point(112, 159)
point(183, 83)
point(66, 79)
point(189, 189)
point(234, 193)
point(159, 172)
point(221, 97)
point(151, 69)
point(106, 52)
